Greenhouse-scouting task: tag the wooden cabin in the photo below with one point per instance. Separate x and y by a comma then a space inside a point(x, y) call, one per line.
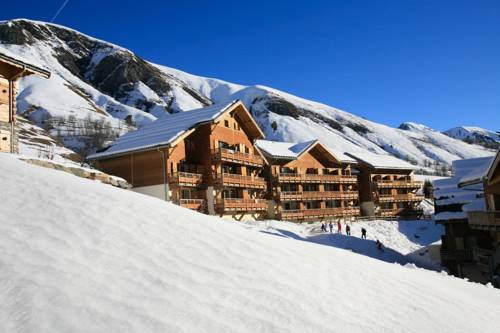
point(485, 219)
point(203, 160)
point(11, 70)
point(386, 186)
point(456, 199)
point(306, 182)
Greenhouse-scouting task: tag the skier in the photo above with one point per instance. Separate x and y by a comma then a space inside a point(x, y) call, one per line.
point(331, 227)
point(363, 233)
point(348, 230)
point(323, 227)
point(379, 245)
point(339, 227)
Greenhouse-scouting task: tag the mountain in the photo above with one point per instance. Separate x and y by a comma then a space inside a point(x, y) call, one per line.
point(476, 135)
point(96, 84)
point(81, 256)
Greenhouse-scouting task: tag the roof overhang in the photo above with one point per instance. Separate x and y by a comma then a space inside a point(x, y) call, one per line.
point(25, 68)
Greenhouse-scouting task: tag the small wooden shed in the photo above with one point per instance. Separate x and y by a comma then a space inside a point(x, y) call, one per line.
point(11, 70)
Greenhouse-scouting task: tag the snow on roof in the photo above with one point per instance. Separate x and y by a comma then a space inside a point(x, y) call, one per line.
point(12, 57)
point(378, 161)
point(473, 170)
point(163, 131)
point(285, 150)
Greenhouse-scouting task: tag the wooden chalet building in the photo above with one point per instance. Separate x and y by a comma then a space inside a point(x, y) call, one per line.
point(485, 217)
point(306, 181)
point(203, 160)
point(11, 70)
point(386, 186)
point(468, 244)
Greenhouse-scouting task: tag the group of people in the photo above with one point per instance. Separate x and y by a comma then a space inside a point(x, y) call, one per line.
point(339, 229)
point(347, 231)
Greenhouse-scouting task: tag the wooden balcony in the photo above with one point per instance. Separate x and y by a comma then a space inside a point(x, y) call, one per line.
point(317, 195)
point(233, 180)
point(314, 178)
point(484, 220)
point(409, 197)
point(185, 179)
point(240, 205)
point(233, 156)
point(194, 204)
point(399, 184)
point(318, 213)
point(390, 212)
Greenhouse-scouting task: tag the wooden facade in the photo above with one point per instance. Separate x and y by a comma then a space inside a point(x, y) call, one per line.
point(11, 70)
point(486, 254)
point(214, 168)
point(388, 192)
point(314, 186)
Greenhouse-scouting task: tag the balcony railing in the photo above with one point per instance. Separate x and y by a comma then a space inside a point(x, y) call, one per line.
point(400, 197)
point(318, 213)
point(484, 219)
point(186, 179)
point(315, 178)
point(398, 184)
point(388, 212)
point(233, 156)
point(233, 180)
point(194, 204)
point(241, 205)
point(317, 195)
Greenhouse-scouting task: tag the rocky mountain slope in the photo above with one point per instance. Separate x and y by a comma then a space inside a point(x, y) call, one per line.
point(475, 135)
point(94, 81)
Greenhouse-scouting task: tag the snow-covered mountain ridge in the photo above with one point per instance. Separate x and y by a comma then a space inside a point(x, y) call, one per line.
point(477, 135)
point(94, 79)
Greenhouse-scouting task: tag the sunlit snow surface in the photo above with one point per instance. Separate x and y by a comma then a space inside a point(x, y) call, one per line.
point(80, 256)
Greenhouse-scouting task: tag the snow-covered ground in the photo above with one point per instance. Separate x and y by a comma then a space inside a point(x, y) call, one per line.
point(80, 256)
point(403, 241)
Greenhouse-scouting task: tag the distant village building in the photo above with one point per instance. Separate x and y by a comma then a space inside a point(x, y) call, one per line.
point(203, 160)
point(467, 205)
point(386, 186)
point(306, 181)
point(12, 68)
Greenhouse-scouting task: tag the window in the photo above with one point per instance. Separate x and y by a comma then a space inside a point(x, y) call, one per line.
point(290, 205)
point(226, 123)
point(223, 144)
point(247, 150)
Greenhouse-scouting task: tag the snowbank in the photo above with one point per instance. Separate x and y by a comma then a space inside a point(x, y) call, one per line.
point(79, 256)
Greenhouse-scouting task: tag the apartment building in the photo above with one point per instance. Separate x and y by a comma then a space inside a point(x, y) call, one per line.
point(306, 181)
point(387, 187)
point(204, 160)
point(12, 68)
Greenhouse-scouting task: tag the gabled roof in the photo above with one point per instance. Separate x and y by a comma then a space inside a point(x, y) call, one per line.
point(169, 130)
point(292, 150)
point(494, 165)
point(377, 161)
point(473, 170)
point(15, 60)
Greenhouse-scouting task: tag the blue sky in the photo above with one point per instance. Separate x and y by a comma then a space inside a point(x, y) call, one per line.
point(432, 62)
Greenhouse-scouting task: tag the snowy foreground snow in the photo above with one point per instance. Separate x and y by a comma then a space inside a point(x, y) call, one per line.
point(80, 256)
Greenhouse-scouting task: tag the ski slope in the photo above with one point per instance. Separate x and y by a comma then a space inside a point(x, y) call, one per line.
point(80, 256)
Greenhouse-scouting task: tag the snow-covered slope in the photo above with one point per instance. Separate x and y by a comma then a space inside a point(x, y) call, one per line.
point(80, 256)
point(100, 80)
point(476, 135)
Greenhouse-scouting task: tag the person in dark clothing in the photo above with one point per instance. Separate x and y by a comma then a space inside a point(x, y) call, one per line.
point(348, 230)
point(363, 233)
point(331, 227)
point(339, 227)
point(379, 245)
point(323, 227)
